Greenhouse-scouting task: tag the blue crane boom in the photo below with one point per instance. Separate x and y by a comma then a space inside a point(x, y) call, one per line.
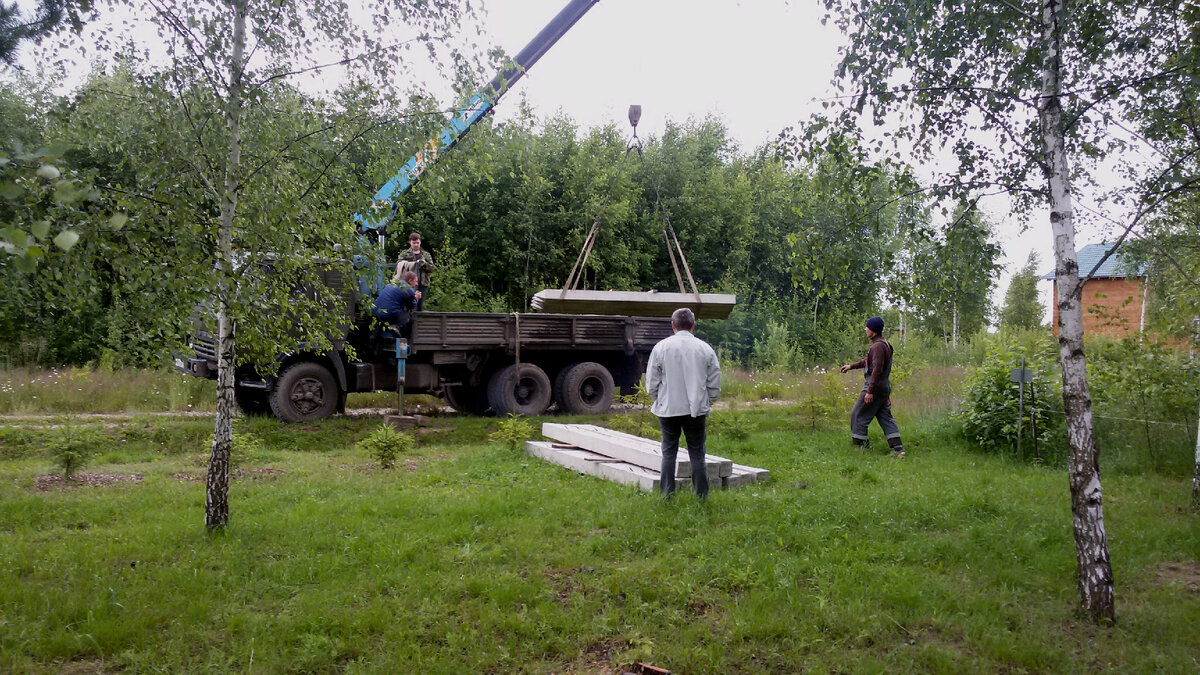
point(378, 216)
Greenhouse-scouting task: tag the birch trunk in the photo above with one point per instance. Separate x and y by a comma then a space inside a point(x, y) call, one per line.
point(1091, 544)
point(954, 328)
point(216, 503)
point(1196, 475)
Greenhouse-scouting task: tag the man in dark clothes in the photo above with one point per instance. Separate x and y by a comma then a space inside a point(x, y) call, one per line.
point(395, 304)
point(875, 400)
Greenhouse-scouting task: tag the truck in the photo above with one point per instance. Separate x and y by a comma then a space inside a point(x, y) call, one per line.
point(519, 363)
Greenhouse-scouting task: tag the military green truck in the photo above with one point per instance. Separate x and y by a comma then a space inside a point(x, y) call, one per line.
point(506, 363)
point(478, 362)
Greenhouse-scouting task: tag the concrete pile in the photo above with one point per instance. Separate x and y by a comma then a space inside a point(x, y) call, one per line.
point(630, 460)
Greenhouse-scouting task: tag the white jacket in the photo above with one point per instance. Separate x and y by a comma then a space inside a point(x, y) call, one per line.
point(683, 376)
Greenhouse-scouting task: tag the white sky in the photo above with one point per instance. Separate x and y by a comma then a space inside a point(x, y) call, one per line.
point(760, 65)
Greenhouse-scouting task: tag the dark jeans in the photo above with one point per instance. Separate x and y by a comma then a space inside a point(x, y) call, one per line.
point(694, 429)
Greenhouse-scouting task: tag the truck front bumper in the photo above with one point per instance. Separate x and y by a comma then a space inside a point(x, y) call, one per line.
point(195, 367)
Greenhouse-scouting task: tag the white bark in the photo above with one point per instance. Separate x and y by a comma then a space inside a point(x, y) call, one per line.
point(216, 503)
point(1091, 544)
point(1196, 475)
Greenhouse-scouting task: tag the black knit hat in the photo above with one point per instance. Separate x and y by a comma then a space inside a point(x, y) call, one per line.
point(875, 323)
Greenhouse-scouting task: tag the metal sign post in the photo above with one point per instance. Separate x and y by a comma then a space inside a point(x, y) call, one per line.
point(401, 363)
point(1021, 376)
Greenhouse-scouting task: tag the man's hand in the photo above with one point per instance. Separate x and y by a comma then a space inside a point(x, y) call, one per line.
point(417, 294)
point(846, 367)
point(868, 398)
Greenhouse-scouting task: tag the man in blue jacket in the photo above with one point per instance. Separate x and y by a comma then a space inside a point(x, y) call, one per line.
point(395, 304)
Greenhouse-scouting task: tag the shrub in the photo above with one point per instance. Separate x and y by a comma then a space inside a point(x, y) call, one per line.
point(829, 403)
point(989, 413)
point(733, 423)
point(385, 444)
point(71, 447)
point(513, 432)
point(640, 421)
point(14, 442)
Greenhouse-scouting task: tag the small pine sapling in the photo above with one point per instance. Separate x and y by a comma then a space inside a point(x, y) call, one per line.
point(72, 447)
point(385, 444)
point(513, 432)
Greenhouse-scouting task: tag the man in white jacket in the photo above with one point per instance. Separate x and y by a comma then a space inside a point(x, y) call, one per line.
point(683, 377)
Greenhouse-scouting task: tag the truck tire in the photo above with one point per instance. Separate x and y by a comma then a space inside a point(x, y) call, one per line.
point(304, 392)
point(466, 399)
point(526, 393)
point(560, 386)
point(587, 389)
point(252, 402)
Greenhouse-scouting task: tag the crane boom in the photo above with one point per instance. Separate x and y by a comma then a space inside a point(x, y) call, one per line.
point(377, 217)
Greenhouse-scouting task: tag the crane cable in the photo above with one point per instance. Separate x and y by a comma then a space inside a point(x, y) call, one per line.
point(669, 235)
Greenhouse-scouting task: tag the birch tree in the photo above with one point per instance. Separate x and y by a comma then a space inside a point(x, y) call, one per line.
point(1023, 97)
point(249, 177)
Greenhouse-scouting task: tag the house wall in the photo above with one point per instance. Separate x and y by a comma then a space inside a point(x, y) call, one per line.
point(1110, 306)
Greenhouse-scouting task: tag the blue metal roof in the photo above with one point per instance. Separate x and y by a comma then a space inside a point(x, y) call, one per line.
point(1113, 268)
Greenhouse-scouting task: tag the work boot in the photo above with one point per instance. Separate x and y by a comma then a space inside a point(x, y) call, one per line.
point(897, 452)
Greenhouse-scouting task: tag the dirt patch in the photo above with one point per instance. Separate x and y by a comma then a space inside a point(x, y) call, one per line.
point(253, 474)
point(1185, 574)
point(56, 481)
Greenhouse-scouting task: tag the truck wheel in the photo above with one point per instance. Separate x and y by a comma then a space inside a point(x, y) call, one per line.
point(252, 402)
point(587, 389)
point(305, 391)
point(560, 385)
point(526, 393)
point(466, 399)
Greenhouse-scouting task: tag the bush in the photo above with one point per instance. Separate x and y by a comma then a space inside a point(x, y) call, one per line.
point(639, 421)
point(832, 402)
point(989, 413)
point(71, 447)
point(1144, 400)
point(733, 423)
point(385, 444)
point(513, 432)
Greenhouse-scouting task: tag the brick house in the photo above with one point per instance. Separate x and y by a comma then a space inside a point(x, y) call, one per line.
point(1114, 299)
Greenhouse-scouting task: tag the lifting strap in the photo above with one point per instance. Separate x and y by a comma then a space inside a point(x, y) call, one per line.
point(669, 235)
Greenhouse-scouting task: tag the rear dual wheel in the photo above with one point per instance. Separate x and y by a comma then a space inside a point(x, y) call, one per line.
point(584, 389)
point(519, 389)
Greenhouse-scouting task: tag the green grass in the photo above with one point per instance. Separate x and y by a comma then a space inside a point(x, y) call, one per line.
point(471, 558)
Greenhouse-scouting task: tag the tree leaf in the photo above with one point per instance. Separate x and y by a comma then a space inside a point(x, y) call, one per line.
point(40, 229)
point(118, 220)
point(66, 239)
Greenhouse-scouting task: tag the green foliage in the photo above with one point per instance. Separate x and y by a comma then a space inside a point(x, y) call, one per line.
point(732, 423)
point(14, 442)
point(72, 446)
point(512, 432)
point(637, 420)
point(1022, 309)
point(830, 403)
point(776, 350)
point(1148, 393)
point(385, 444)
point(989, 412)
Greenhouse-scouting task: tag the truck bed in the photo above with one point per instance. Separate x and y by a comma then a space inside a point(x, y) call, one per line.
point(456, 331)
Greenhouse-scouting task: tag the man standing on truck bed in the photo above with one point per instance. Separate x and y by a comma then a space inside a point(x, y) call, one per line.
point(423, 263)
point(683, 377)
point(875, 400)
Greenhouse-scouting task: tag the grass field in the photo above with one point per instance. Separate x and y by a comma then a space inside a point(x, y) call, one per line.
point(469, 557)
